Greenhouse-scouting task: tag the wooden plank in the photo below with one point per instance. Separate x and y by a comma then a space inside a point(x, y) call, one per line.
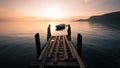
point(63, 65)
point(52, 48)
point(59, 37)
point(43, 56)
point(77, 56)
point(69, 47)
point(45, 49)
point(57, 50)
point(65, 49)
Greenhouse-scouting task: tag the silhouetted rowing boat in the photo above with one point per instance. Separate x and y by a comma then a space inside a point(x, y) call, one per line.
point(60, 27)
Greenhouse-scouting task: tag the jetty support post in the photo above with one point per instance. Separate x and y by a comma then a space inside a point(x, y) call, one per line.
point(79, 44)
point(38, 45)
point(69, 32)
point(48, 32)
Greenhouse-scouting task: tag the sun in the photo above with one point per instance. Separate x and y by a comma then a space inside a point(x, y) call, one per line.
point(52, 12)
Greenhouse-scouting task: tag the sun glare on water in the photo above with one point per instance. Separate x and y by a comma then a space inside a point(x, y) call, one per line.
point(52, 12)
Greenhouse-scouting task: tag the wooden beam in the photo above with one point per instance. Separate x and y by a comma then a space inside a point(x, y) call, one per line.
point(69, 32)
point(65, 49)
point(43, 57)
point(79, 44)
point(52, 47)
point(48, 32)
point(82, 65)
point(45, 50)
point(57, 50)
point(38, 46)
point(71, 50)
point(75, 54)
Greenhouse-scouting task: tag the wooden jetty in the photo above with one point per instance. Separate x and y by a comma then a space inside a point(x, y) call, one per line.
point(58, 52)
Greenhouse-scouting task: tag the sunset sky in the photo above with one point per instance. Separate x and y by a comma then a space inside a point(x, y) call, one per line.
point(56, 8)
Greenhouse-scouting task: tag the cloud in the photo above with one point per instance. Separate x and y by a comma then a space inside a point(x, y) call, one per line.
point(68, 7)
point(87, 0)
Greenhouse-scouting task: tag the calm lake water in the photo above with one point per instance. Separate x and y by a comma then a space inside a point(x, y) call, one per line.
point(101, 44)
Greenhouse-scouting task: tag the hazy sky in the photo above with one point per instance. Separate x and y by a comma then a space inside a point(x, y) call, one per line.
point(65, 8)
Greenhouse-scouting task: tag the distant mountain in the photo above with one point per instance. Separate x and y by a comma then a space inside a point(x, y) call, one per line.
point(81, 20)
point(109, 17)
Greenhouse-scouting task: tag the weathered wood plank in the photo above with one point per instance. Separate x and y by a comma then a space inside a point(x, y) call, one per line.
point(71, 50)
point(57, 50)
point(43, 56)
point(52, 47)
point(77, 56)
point(45, 49)
point(65, 49)
point(62, 65)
